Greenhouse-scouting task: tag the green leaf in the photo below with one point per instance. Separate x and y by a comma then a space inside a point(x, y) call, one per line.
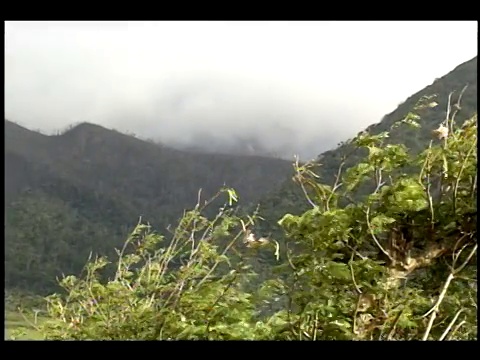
point(380, 222)
point(232, 196)
point(338, 270)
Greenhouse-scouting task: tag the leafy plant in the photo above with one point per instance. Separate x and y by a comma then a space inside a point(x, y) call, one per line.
point(396, 262)
point(371, 269)
point(189, 286)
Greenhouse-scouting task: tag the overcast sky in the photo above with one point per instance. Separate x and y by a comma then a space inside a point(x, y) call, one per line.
point(296, 86)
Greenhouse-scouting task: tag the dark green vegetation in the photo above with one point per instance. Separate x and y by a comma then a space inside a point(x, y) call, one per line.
point(381, 244)
point(84, 191)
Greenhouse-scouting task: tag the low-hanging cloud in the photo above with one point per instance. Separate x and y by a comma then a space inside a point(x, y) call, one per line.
point(274, 87)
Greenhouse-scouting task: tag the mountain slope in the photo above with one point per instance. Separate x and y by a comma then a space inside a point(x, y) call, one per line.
point(84, 190)
point(107, 162)
point(290, 199)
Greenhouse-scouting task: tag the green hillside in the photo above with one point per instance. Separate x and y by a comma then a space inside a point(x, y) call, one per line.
point(84, 191)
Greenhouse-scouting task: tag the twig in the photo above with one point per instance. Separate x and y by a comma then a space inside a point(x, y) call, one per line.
point(427, 189)
point(306, 195)
point(336, 185)
point(354, 326)
point(429, 326)
point(448, 108)
point(447, 330)
point(315, 324)
point(353, 274)
point(299, 180)
point(474, 185)
point(433, 311)
point(394, 325)
point(461, 94)
point(427, 161)
point(199, 196)
point(457, 105)
point(375, 238)
point(457, 270)
point(455, 254)
point(456, 329)
point(473, 301)
point(212, 269)
point(290, 260)
point(355, 251)
point(441, 296)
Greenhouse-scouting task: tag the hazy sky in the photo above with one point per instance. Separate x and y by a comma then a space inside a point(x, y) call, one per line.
point(298, 86)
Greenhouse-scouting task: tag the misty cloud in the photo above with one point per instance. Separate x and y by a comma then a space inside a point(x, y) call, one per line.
point(270, 87)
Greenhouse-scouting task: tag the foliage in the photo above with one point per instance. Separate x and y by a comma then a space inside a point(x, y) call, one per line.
point(401, 262)
point(396, 264)
point(57, 240)
point(190, 286)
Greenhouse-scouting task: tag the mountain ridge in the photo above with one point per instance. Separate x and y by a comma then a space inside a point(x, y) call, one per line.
point(83, 190)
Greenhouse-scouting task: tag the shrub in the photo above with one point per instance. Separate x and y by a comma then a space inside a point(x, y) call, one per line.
point(395, 263)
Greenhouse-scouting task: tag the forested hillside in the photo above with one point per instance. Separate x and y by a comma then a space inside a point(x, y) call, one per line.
point(85, 190)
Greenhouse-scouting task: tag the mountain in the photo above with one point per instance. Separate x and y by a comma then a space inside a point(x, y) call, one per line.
point(290, 198)
point(84, 190)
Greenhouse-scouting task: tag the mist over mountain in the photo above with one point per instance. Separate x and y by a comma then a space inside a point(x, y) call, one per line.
point(275, 88)
point(229, 115)
point(275, 143)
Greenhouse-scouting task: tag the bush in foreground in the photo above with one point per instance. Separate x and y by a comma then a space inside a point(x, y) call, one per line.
point(396, 264)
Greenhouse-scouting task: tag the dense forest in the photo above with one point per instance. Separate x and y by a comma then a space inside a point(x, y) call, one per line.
point(375, 240)
point(84, 191)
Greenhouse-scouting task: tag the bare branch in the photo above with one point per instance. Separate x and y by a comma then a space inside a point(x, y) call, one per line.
point(455, 254)
point(336, 185)
point(456, 329)
point(460, 268)
point(299, 177)
point(199, 196)
point(355, 251)
point(374, 237)
point(353, 274)
point(448, 108)
point(457, 107)
point(441, 296)
point(306, 195)
point(434, 310)
point(394, 325)
point(449, 327)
